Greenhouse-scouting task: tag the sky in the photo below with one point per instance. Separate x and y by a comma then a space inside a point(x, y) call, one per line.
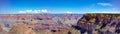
point(59, 6)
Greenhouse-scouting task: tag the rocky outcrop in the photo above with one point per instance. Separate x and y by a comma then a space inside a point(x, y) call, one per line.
point(98, 22)
point(21, 29)
point(2, 31)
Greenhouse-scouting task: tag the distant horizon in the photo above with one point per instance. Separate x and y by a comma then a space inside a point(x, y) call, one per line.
point(62, 13)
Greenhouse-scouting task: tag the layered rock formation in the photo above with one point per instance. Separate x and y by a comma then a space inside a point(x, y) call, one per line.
point(100, 23)
point(2, 31)
point(21, 29)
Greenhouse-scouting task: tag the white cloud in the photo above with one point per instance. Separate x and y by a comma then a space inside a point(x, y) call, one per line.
point(28, 11)
point(104, 4)
point(21, 12)
point(69, 12)
point(44, 10)
point(36, 11)
point(33, 11)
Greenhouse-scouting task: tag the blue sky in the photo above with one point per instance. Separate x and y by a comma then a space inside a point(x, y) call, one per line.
point(59, 6)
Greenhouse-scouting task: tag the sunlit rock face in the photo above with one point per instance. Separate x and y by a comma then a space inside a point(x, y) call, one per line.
point(21, 29)
point(2, 31)
point(103, 22)
point(44, 32)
